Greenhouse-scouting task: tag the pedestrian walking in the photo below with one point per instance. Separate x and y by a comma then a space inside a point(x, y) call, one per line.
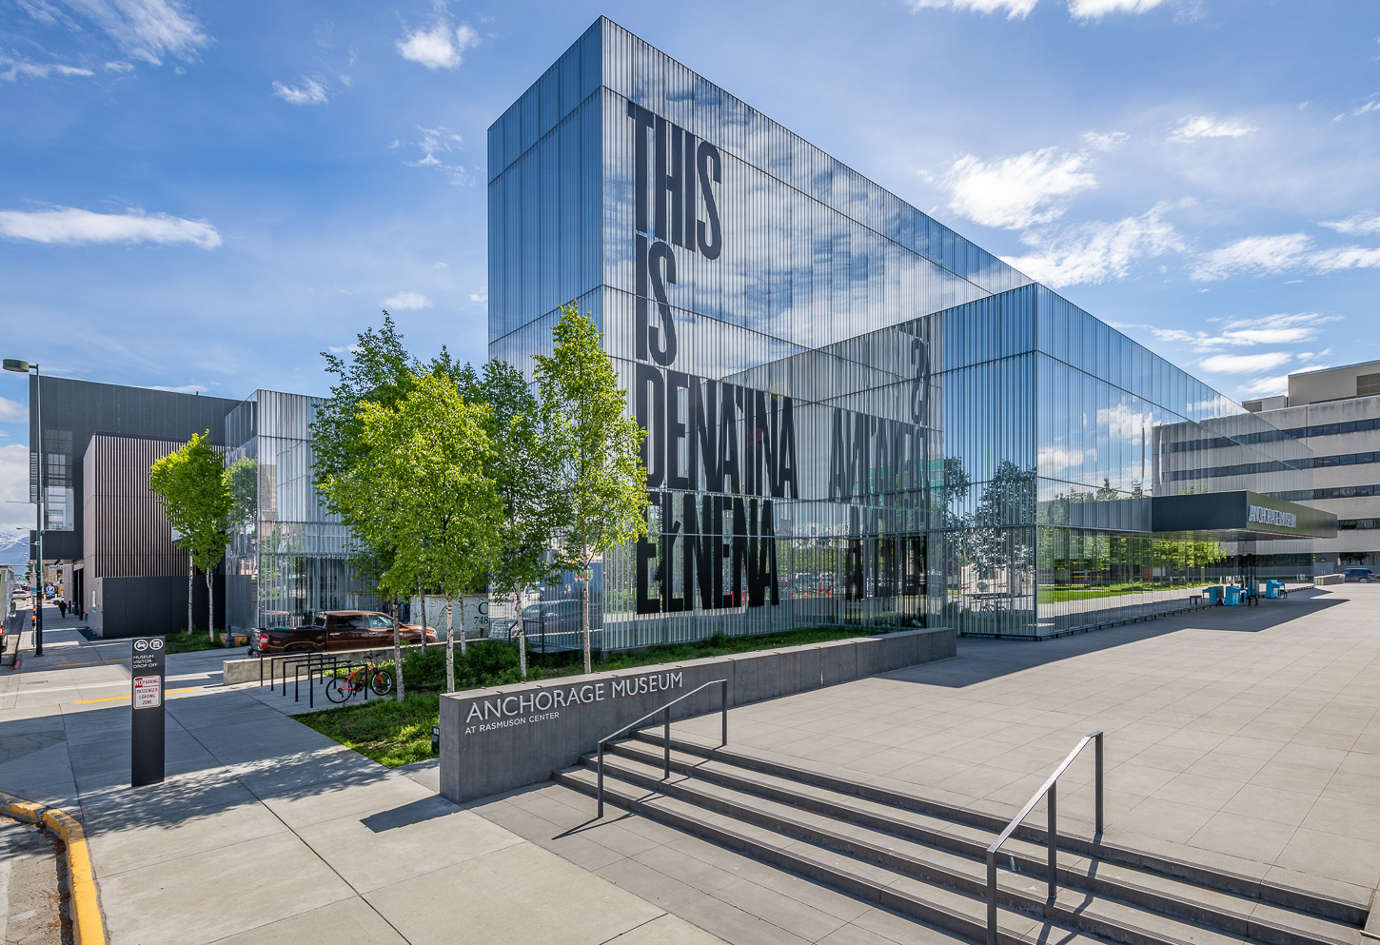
point(62, 607)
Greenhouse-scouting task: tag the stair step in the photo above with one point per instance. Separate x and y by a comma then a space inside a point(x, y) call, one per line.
point(936, 905)
point(1331, 906)
point(1233, 914)
point(1116, 920)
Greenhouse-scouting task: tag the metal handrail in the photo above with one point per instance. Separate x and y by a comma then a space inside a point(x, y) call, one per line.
point(666, 734)
point(1048, 788)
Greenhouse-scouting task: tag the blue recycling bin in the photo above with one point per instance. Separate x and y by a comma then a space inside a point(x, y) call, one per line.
point(1214, 593)
point(1233, 595)
point(1272, 589)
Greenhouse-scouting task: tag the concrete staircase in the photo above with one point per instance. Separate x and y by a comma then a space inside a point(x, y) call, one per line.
point(925, 860)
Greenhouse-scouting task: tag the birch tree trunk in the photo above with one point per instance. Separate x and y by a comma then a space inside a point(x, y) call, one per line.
point(211, 605)
point(463, 650)
point(397, 649)
point(522, 634)
point(584, 616)
point(191, 574)
point(450, 645)
point(421, 598)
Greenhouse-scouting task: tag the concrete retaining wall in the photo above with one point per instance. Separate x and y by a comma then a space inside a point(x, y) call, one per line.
point(497, 739)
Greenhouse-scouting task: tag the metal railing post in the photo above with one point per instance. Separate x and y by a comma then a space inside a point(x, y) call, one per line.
point(1051, 801)
point(600, 815)
point(1097, 761)
point(991, 898)
point(723, 735)
point(666, 744)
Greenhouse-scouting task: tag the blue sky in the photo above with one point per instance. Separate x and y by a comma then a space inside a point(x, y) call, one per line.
point(205, 196)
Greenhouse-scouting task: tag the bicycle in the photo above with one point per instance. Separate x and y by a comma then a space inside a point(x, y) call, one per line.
point(369, 676)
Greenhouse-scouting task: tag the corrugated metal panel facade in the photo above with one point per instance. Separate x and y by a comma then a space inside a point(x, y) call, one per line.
point(126, 532)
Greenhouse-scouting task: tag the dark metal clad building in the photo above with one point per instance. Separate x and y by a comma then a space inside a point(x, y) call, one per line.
point(125, 516)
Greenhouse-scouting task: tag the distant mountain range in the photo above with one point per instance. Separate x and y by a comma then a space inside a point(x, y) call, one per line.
point(16, 554)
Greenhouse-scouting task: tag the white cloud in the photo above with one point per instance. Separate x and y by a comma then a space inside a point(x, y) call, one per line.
point(1095, 252)
point(120, 67)
point(440, 47)
point(1019, 191)
point(1206, 126)
point(1253, 254)
point(310, 92)
point(12, 411)
point(1262, 255)
point(407, 302)
point(14, 69)
point(436, 144)
point(1345, 257)
point(1105, 141)
point(1096, 9)
point(1244, 363)
point(479, 297)
point(72, 226)
point(342, 349)
point(1269, 385)
point(1014, 9)
point(1278, 329)
point(1357, 225)
point(15, 509)
point(147, 30)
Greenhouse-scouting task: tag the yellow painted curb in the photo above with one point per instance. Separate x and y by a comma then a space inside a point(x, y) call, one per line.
point(20, 809)
point(87, 927)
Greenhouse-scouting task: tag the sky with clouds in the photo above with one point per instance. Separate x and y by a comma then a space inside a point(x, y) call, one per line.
point(205, 196)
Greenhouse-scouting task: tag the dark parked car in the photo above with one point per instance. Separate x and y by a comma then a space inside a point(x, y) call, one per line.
point(335, 630)
point(1359, 574)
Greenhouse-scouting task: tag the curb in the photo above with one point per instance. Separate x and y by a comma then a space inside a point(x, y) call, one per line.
point(87, 927)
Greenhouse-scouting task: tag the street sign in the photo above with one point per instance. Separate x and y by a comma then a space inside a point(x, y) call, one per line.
point(146, 665)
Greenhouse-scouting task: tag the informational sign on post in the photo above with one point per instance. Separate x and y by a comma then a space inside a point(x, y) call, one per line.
point(146, 666)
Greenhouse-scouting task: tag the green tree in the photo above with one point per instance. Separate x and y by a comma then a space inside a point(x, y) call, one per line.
point(420, 486)
point(192, 486)
point(594, 452)
point(523, 471)
point(376, 369)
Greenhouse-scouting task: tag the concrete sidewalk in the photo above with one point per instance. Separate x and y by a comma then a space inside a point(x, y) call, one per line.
point(267, 832)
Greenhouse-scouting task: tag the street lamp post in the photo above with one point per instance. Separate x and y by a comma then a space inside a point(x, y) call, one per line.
point(24, 367)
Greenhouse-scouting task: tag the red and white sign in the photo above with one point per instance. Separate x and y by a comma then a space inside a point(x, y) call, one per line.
point(148, 692)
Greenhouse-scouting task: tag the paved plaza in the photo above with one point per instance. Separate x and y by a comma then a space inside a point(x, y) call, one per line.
point(267, 832)
point(1246, 739)
point(1243, 737)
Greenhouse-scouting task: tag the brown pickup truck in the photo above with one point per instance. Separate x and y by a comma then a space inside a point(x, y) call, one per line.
point(335, 630)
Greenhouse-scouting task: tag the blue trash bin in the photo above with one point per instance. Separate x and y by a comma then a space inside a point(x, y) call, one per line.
point(1214, 593)
point(1272, 589)
point(1233, 595)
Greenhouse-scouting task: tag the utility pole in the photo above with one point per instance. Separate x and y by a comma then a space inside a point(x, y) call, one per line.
point(24, 367)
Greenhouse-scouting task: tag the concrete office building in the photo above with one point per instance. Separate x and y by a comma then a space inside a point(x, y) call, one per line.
point(854, 414)
point(1335, 413)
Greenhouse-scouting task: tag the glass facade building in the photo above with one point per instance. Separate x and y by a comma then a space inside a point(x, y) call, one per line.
point(288, 556)
point(854, 414)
